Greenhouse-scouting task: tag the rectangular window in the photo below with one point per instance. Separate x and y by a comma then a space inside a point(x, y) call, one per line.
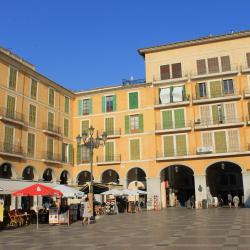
point(85, 126)
point(233, 141)
point(12, 78)
point(181, 145)
point(215, 89)
point(31, 145)
point(175, 145)
point(225, 63)
point(213, 65)
point(66, 104)
point(228, 86)
point(176, 70)
point(220, 142)
point(133, 100)
point(230, 112)
point(202, 89)
point(134, 123)
point(205, 115)
point(11, 104)
point(86, 106)
point(218, 114)
point(85, 154)
point(66, 127)
point(32, 115)
point(109, 151)
point(168, 142)
point(248, 59)
point(201, 67)
point(50, 148)
point(135, 149)
point(65, 150)
point(33, 89)
point(51, 97)
point(207, 139)
point(109, 104)
point(50, 121)
point(8, 139)
point(167, 119)
point(165, 72)
point(109, 125)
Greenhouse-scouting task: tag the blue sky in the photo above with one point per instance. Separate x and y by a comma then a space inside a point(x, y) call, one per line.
point(85, 44)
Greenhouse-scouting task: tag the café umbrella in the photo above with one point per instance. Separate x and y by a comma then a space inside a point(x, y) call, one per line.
point(35, 190)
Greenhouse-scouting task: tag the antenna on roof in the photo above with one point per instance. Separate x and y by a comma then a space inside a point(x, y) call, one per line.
point(210, 34)
point(232, 31)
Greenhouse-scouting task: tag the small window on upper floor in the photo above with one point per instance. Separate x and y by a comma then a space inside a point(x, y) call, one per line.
point(167, 72)
point(33, 89)
point(85, 107)
point(12, 78)
point(202, 91)
point(133, 100)
point(228, 86)
point(66, 104)
point(248, 59)
point(51, 97)
point(109, 103)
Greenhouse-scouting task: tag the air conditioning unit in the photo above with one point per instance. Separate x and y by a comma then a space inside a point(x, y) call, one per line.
point(204, 150)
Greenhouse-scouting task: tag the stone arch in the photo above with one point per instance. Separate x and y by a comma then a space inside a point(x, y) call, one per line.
point(29, 173)
point(83, 177)
point(65, 177)
point(6, 170)
point(49, 175)
point(110, 176)
point(137, 178)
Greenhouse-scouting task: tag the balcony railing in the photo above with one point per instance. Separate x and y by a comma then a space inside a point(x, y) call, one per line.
point(11, 115)
point(112, 159)
point(51, 129)
point(111, 132)
point(51, 157)
point(247, 92)
point(245, 68)
point(11, 149)
point(169, 126)
point(219, 121)
point(235, 93)
point(161, 78)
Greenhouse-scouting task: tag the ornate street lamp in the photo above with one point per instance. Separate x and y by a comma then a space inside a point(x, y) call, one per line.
point(91, 143)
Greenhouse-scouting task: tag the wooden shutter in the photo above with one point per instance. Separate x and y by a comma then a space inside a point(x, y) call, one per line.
point(133, 100)
point(181, 145)
point(109, 125)
point(220, 142)
point(207, 139)
point(66, 127)
point(103, 104)
point(248, 59)
point(248, 108)
point(225, 63)
point(64, 152)
point(80, 107)
point(79, 154)
point(109, 151)
point(168, 142)
point(33, 89)
point(230, 112)
point(71, 154)
point(50, 121)
point(32, 116)
point(134, 149)
point(31, 145)
point(51, 97)
point(127, 125)
point(85, 126)
point(10, 112)
point(205, 115)
point(233, 140)
point(66, 104)
point(176, 70)
point(215, 89)
point(12, 78)
point(179, 118)
point(165, 72)
point(167, 120)
point(50, 148)
point(90, 105)
point(141, 126)
point(8, 139)
point(213, 65)
point(201, 67)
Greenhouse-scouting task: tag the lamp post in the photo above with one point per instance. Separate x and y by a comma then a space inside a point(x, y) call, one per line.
point(91, 143)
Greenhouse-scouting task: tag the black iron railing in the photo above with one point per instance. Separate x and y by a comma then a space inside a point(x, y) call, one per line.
point(11, 148)
point(11, 114)
point(108, 158)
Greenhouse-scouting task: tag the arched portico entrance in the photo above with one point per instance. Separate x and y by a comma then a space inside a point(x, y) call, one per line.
point(136, 178)
point(64, 177)
point(83, 177)
point(5, 171)
point(29, 173)
point(177, 185)
point(48, 175)
point(110, 176)
point(223, 178)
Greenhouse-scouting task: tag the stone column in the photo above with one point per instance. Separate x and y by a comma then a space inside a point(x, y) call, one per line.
point(153, 189)
point(246, 187)
point(13, 202)
point(123, 182)
point(163, 195)
point(200, 189)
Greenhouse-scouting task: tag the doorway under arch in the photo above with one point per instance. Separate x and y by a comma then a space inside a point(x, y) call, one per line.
point(136, 179)
point(48, 175)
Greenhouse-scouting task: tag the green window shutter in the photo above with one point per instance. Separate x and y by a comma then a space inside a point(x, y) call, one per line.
point(79, 154)
point(215, 89)
point(127, 128)
point(133, 100)
point(33, 89)
point(109, 151)
point(66, 104)
point(50, 121)
point(50, 148)
point(8, 139)
point(109, 125)
point(80, 107)
point(167, 122)
point(135, 149)
point(248, 106)
point(85, 126)
point(103, 104)
point(220, 142)
point(215, 114)
point(181, 146)
point(12, 78)
point(10, 112)
point(168, 142)
point(141, 127)
point(90, 106)
point(184, 93)
point(63, 152)
point(32, 116)
point(179, 118)
point(71, 154)
point(114, 103)
point(31, 145)
point(51, 97)
point(197, 89)
point(66, 127)
point(171, 93)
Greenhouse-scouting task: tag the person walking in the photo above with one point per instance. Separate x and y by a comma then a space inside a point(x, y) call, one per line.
point(229, 199)
point(236, 201)
point(192, 202)
point(87, 212)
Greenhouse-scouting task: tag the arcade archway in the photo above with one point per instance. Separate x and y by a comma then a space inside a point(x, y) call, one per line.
point(136, 179)
point(64, 177)
point(83, 177)
point(223, 178)
point(29, 173)
point(48, 175)
point(110, 176)
point(177, 185)
point(5, 171)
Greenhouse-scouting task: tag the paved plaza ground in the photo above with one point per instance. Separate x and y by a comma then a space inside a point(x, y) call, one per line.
point(221, 228)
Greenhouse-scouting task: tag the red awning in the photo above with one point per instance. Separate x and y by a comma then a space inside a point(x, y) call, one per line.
point(37, 189)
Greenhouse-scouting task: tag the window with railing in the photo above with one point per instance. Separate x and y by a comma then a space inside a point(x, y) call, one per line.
point(170, 71)
point(31, 145)
point(12, 78)
point(172, 94)
point(11, 105)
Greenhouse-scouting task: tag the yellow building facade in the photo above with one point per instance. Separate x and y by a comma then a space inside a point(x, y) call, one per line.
point(184, 131)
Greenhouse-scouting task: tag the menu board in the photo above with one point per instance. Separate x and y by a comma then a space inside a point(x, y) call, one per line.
point(53, 216)
point(150, 202)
